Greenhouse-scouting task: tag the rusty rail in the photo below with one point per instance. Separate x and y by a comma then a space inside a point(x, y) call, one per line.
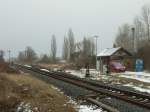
point(100, 104)
point(142, 100)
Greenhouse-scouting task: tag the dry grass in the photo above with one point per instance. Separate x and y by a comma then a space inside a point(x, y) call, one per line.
point(28, 89)
point(4, 67)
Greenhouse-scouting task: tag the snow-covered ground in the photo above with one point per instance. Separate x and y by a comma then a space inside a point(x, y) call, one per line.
point(85, 108)
point(78, 107)
point(141, 89)
point(25, 107)
point(95, 75)
point(76, 73)
point(140, 76)
point(81, 73)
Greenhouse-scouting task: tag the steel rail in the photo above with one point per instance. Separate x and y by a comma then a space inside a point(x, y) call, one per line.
point(95, 88)
point(137, 95)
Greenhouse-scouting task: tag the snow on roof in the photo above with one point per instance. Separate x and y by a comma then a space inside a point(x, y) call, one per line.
point(108, 52)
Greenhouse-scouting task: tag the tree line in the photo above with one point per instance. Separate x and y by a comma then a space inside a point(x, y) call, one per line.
point(135, 37)
point(79, 53)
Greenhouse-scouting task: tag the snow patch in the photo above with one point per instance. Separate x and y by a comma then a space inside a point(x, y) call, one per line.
point(45, 70)
point(76, 73)
point(145, 90)
point(142, 89)
point(94, 74)
point(25, 107)
point(140, 76)
point(85, 108)
point(27, 66)
point(57, 89)
point(79, 108)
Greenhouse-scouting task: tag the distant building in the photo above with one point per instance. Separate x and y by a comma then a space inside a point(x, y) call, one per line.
point(118, 54)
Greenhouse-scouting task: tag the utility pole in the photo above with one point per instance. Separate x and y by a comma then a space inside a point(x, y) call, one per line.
point(134, 47)
point(134, 43)
point(96, 37)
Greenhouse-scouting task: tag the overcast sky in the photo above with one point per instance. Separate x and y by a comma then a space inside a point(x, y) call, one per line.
point(32, 22)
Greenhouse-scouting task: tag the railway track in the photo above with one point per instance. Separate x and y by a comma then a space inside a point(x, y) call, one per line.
point(139, 99)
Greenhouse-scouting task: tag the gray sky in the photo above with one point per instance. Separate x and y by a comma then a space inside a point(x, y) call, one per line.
point(32, 22)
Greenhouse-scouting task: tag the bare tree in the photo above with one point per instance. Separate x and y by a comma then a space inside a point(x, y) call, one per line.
point(85, 52)
point(71, 43)
point(65, 52)
point(92, 47)
point(30, 55)
point(124, 38)
point(141, 25)
point(21, 56)
point(146, 19)
point(140, 32)
point(88, 46)
point(53, 48)
point(79, 46)
point(44, 59)
point(1, 56)
point(27, 56)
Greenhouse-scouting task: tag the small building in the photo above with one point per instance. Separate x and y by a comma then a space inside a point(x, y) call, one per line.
point(118, 54)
